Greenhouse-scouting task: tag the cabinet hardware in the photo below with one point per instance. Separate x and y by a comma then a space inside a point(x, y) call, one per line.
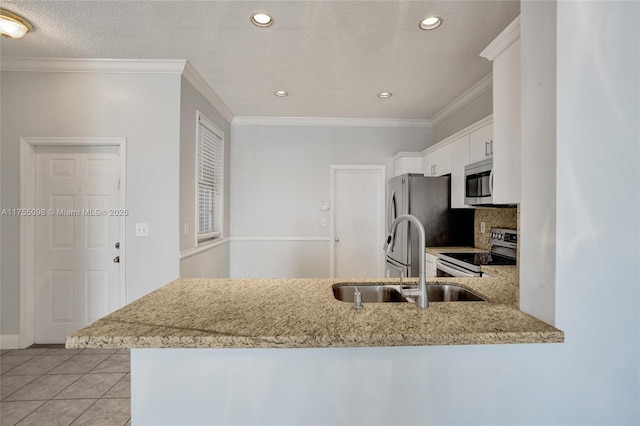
point(116, 259)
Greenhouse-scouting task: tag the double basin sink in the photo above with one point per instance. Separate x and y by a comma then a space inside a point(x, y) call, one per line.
point(389, 293)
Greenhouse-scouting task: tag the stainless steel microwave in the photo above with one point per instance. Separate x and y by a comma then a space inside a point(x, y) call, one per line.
point(478, 183)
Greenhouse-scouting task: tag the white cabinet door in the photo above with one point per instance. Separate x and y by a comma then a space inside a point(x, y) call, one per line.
point(504, 51)
point(506, 122)
point(481, 144)
point(459, 159)
point(438, 162)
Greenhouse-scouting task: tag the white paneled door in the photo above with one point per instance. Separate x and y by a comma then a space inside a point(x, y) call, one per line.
point(357, 224)
point(77, 277)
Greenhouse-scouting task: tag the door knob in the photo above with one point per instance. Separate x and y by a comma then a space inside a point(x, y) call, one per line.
point(116, 259)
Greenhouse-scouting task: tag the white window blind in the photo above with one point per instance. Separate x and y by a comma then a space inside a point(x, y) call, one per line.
point(210, 180)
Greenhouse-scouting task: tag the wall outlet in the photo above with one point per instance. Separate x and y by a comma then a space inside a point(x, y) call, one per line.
point(186, 228)
point(142, 229)
point(483, 227)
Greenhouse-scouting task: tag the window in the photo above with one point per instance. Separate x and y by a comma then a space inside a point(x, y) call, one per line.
point(209, 190)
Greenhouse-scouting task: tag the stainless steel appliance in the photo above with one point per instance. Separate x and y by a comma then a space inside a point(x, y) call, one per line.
point(504, 246)
point(428, 199)
point(479, 183)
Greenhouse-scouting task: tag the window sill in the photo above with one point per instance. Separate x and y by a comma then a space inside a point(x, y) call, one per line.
point(204, 246)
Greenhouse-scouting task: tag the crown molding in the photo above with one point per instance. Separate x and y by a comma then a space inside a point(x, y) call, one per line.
point(467, 130)
point(505, 39)
point(193, 77)
point(331, 121)
point(124, 66)
point(132, 66)
point(404, 154)
point(461, 101)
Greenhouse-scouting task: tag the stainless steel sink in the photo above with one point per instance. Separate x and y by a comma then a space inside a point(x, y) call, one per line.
point(370, 293)
point(385, 293)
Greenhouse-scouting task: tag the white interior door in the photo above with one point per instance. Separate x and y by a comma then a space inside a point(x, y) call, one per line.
point(77, 279)
point(357, 223)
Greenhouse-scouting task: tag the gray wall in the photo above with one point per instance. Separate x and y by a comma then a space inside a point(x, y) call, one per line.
point(538, 160)
point(215, 261)
point(142, 108)
point(279, 176)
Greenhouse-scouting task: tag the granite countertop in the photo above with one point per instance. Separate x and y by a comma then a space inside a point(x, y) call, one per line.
point(302, 313)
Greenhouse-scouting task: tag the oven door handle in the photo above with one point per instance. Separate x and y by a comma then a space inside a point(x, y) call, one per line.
point(491, 183)
point(453, 271)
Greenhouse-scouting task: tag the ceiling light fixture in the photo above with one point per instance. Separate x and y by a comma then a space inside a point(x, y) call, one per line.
point(12, 25)
point(261, 19)
point(430, 23)
point(280, 93)
point(384, 95)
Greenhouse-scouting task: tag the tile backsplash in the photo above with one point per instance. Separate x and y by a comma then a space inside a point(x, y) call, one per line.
point(493, 218)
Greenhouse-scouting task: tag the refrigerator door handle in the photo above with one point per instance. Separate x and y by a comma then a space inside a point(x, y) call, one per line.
point(392, 210)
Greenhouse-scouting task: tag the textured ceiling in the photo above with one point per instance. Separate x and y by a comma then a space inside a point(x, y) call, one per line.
point(333, 57)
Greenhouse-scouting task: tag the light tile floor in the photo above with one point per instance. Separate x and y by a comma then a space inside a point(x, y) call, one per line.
point(50, 385)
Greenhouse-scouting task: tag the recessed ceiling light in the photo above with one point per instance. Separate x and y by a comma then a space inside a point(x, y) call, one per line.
point(384, 95)
point(12, 25)
point(430, 23)
point(280, 93)
point(261, 19)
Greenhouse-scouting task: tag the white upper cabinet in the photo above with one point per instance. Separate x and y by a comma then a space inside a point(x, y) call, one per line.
point(448, 156)
point(407, 162)
point(459, 159)
point(481, 144)
point(504, 51)
point(437, 162)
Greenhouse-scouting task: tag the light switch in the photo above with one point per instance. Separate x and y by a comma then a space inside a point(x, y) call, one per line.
point(142, 229)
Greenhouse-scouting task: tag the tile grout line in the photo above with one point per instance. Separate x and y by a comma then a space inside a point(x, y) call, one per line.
point(80, 415)
point(98, 399)
point(31, 412)
point(82, 375)
point(16, 366)
point(31, 381)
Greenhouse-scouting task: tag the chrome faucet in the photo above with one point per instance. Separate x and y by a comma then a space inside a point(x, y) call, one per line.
point(419, 294)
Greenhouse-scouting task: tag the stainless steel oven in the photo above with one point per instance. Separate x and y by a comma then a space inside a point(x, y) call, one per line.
point(479, 183)
point(446, 269)
point(504, 246)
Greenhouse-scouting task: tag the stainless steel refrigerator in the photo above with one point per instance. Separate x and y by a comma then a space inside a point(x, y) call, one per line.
point(429, 199)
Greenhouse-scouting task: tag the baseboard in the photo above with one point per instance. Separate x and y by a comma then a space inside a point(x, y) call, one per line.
point(9, 341)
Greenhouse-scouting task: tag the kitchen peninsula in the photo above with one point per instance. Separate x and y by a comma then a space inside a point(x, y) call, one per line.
point(302, 313)
point(285, 351)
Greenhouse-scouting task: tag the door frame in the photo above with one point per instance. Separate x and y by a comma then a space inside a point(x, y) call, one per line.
point(28, 225)
point(381, 169)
